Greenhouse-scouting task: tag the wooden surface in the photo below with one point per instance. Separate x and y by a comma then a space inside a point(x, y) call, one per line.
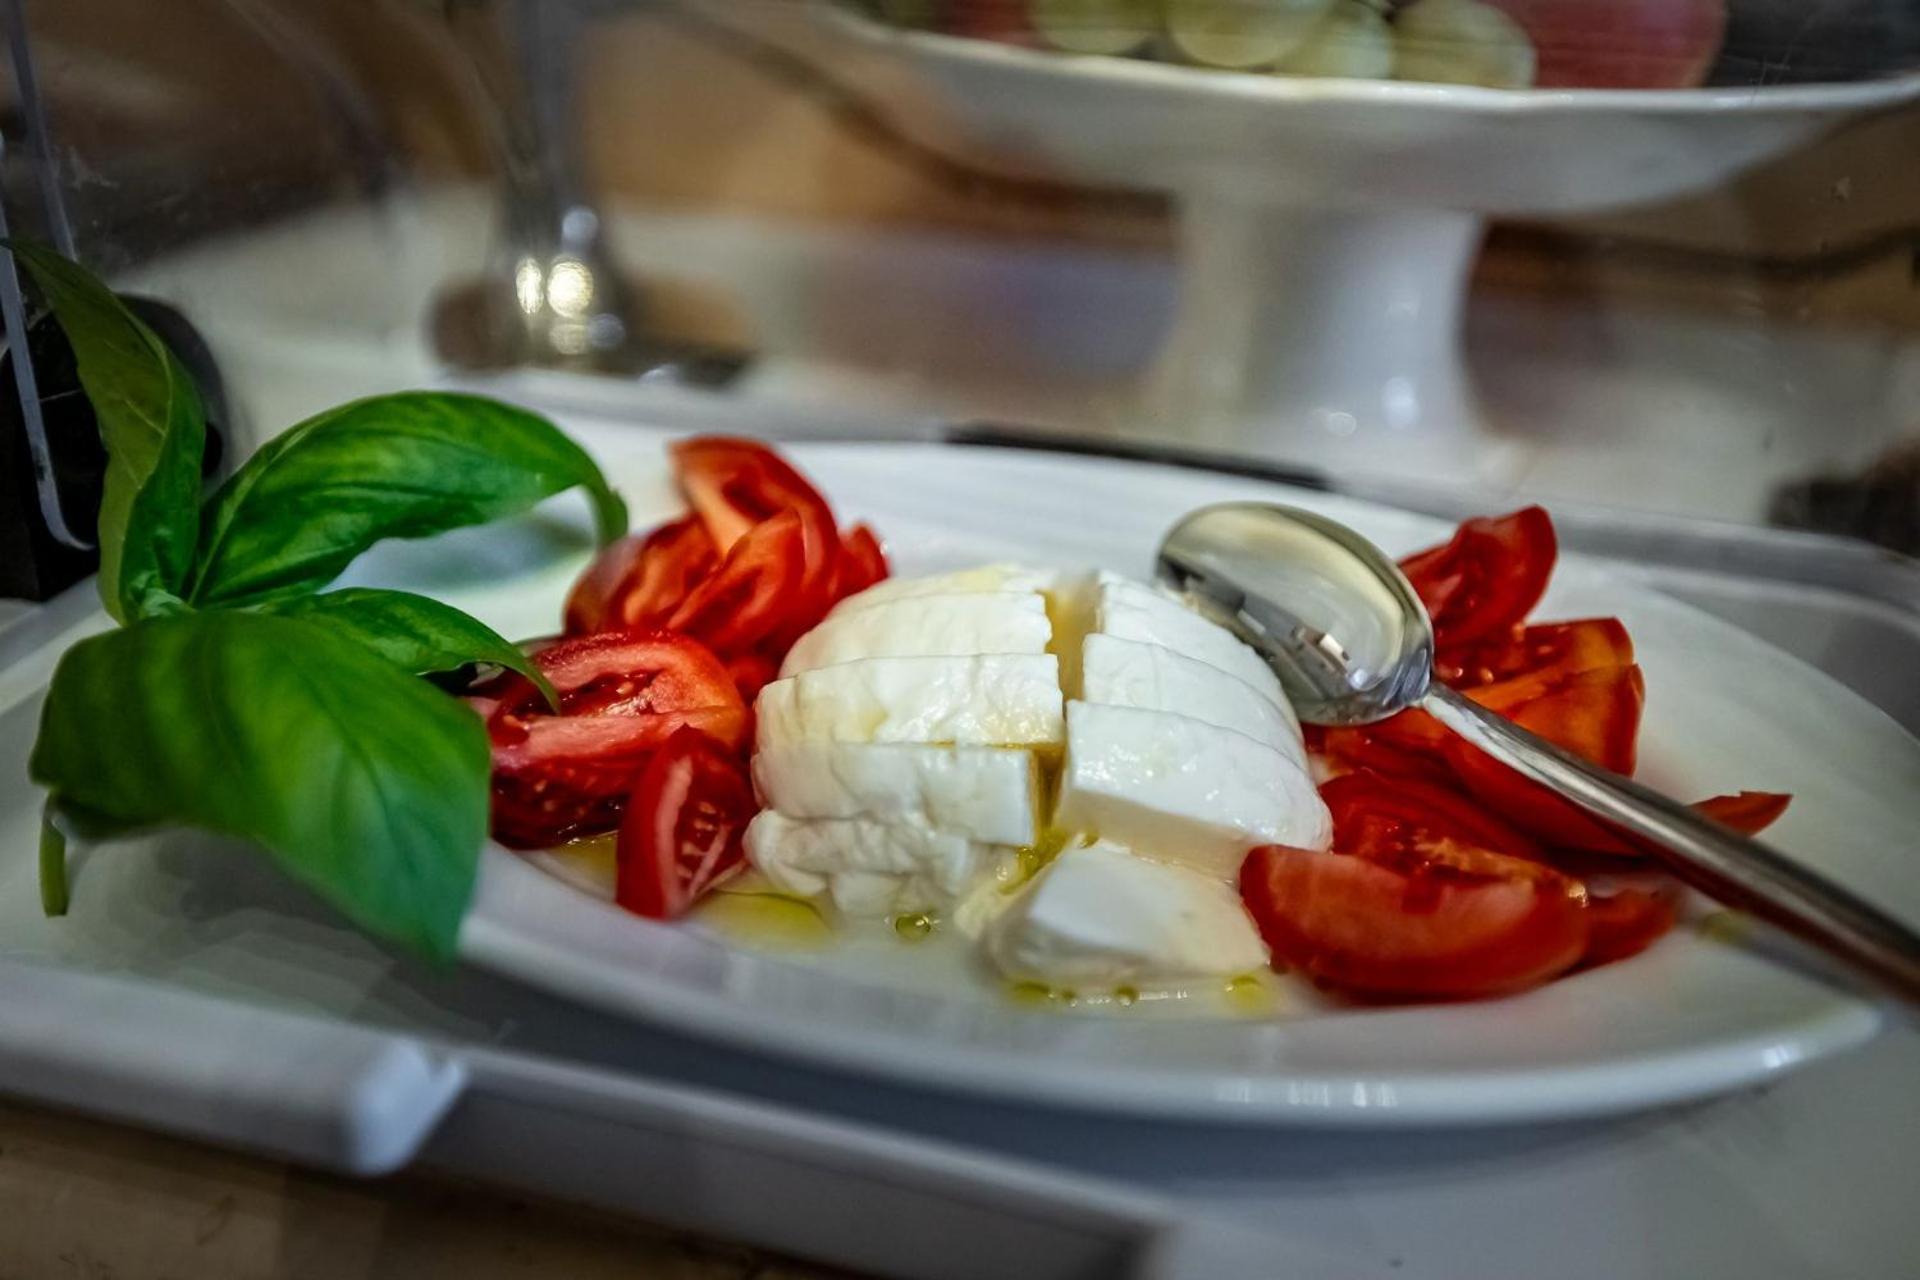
point(81, 1200)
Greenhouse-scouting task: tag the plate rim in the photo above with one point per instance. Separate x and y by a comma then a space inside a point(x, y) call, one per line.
point(1478, 1097)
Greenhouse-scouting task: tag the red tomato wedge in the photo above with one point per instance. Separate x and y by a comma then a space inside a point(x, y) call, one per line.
point(862, 562)
point(1452, 924)
point(639, 580)
point(1627, 922)
point(1534, 809)
point(1564, 648)
point(815, 581)
point(755, 596)
point(734, 483)
point(1347, 749)
point(1488, 578)
point(683, 826)
point(1593, 712)
point(1595, 715)
point(751, 673)
point(622, 694)
point(1749, 812)
point(1372, 813)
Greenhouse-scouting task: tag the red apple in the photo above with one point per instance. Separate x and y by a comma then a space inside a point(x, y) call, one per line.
point(1001, 21)
point(1621, 44)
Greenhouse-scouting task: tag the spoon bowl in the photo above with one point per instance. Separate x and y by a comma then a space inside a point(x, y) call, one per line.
point(1334, 617)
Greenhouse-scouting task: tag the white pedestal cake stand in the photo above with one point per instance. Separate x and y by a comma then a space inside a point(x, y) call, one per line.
point(1328, 226)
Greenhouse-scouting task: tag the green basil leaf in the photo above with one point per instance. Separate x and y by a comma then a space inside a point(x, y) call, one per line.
point(400, 466)
point(155, 433)
point(365, 783)
point(415, 633)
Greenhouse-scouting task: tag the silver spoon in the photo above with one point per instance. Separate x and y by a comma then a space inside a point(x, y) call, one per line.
point(1352, 644)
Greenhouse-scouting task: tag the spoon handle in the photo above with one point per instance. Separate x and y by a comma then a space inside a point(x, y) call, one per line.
point(1715, 859)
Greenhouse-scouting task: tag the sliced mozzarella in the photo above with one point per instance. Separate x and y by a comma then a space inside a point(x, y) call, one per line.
point(1128, 611)
point(1127, 673)
point(951, 625)
point(987, 793)
point(869, 868)
point(991, 700)
point(1102, 916)
point(991, 577)
point(1183, 791)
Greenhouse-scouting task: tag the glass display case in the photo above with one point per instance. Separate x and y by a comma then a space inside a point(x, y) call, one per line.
point(1674, 277)
point(1652, 263)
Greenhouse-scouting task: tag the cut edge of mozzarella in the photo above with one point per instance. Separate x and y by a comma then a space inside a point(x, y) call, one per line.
point(1151, 677)
point(1110, 605)
point(1000, 700)
point(1102, 916)
point(867, 868)
point(939, 625)
point(1183, 791)
point(986, 793)
point(986, 578)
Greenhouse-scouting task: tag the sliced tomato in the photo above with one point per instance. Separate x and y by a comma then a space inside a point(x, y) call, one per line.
point(1594, 712)
point(1595, 715)
point(622, 694)
point(1453, 923)
point(862, 562)
point(1347, 749)
point(1485, 581)
point(641, 579)
point(616, 673)
point(755, 594)
point(1565, 648)
point(1534, 809)
point(1371, 811)
point(1749, 812)
point(683, 828)
point(814, 584)
point(735, 483)
point(751, 673)
point(1626, 922)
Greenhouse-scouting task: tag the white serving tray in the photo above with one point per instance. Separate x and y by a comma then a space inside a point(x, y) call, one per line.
point(244, 1014)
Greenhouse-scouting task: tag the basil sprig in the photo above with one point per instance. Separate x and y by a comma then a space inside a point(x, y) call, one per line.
point(405, 466)
point(155, 433)
point(369, 785)
point(237, 696)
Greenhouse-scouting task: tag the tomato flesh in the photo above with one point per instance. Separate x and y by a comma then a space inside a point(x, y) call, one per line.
point(1370, 809)
point(734, 483)
point(562, 774)
point(683, 828)
point(1748, 812)
point(752, 597)
point(1565, 648)
point(1627, 922)
point(752, 672)
point(1451, 925)
point(1486, 579)
point(862, 562)
point(639, 580)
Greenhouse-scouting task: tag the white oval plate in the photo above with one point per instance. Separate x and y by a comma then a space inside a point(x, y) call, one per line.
point(1691, 1017)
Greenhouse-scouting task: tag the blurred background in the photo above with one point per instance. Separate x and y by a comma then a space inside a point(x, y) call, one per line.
point(1659, 254)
